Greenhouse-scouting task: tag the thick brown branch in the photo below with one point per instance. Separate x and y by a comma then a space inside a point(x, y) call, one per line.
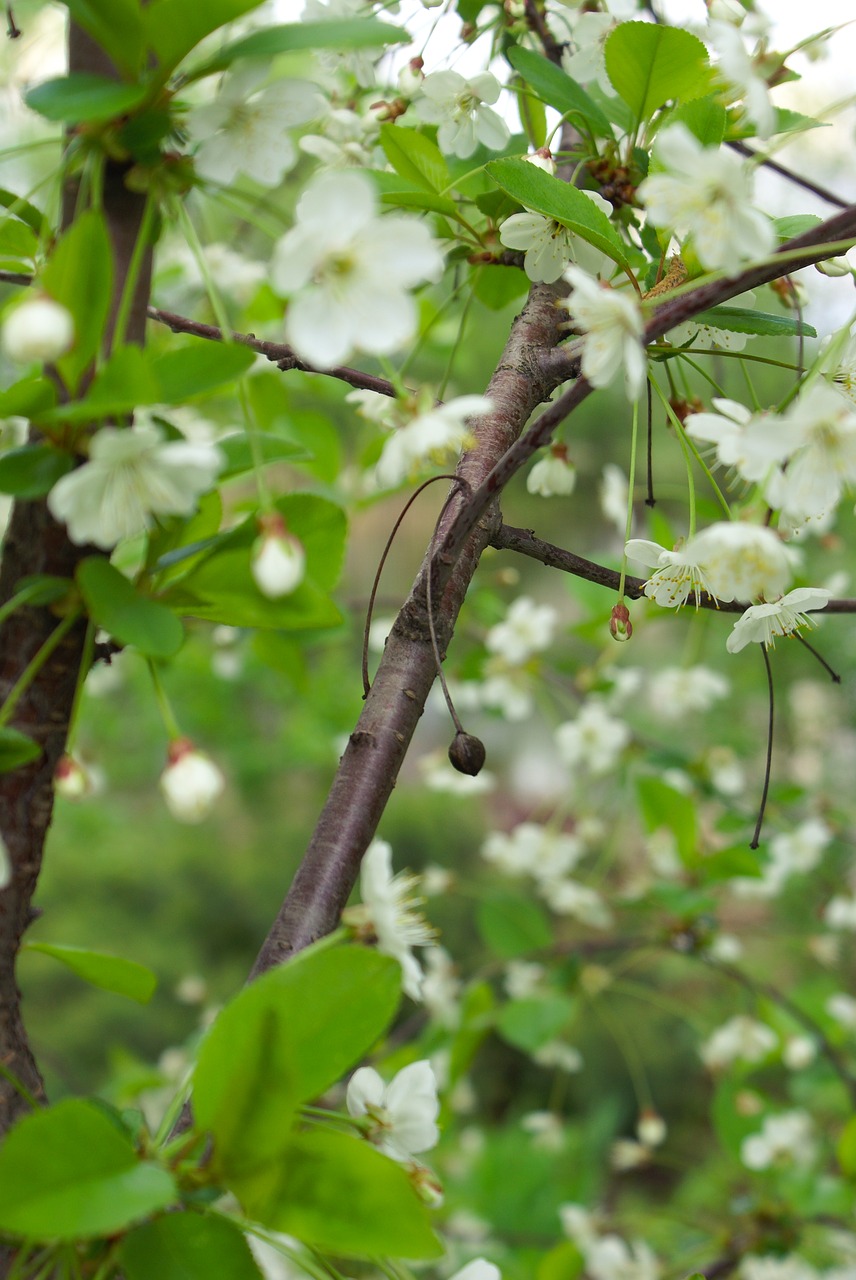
point(377, 747)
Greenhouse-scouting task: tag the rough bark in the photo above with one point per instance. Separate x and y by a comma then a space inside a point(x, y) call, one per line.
point(35, 544)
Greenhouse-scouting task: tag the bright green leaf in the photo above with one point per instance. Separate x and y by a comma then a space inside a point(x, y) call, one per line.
point(69, 1172)
point(704, 117)
point(846, 1148)
point(650, 64)
point(763, 323)
point(28, 398)
point(403, 194)
point(529, 1024)
point(344, 33)
point(284, 1040)
point(28, 213)
point(415, 157)
point(558, 90)
point(240, 457)
point(33, 470)
point(512, 924)
point(174, 27)
point(79, 274)
point(339, 1194)
point(81, 96)
point(187, 1246)
point(795, 224)
point(564, 1262)
point(114, 604)
point(16, 749)
point(198, 367)
point(544, 194)
point(18, 241)
point(110, 973)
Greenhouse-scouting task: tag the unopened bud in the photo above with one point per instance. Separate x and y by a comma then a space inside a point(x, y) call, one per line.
point(834, 267)
point(467, 754)
point(278, 561)
point(620, 626)
point(38, 329)
point(191, 782)
point(650, 1128)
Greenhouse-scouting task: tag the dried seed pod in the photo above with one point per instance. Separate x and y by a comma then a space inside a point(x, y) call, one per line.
point(467, 753)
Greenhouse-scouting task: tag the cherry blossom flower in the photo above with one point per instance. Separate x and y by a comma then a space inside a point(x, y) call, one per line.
point(676, 691)
point(820, 428)
point(403, 1113)
point(704, 194)
point(191, 782)
point(246, 132)
point(742, 1039)
point(278, 562)
point(459, 107)
point(613, 327)
point(587, 62)
point(348, 271)
point(536, 850)
point(552, 476)
point(526, 629)
point(132, 474)
point(840, 912)
point(593, 741)
point(787, 1138)
point(729, 560)
point(429, 437)
point(738, 70)
point(479, 1268)
point(570, 898)
point(347, 139)
point(550, 246)
point(751, 443)
point(761, 623)
point(37, 329)
point(388, 912)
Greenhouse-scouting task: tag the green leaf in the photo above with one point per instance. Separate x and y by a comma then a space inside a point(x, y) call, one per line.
point(530, 1023)
point(398, 191)
point(477, 1018)
point(512, 924)
point(70, 1172)
point(33, 470)
point(81, 96)
point(532, 113)
point(28, 398)
point(795, 224)
point(665, 806)
point(133, 619)
point(705, 117)
point(79, 274)
point(337, 1193)
point(16, 749)
point(28, 213)
point(239, 453)
point(18, 241)
point(125, 381)
point(198, 367)
point(115, 25)
point(544, 194)
point(344, 33)
point(558, 90)
point(174, 27)
point(763, 323)
point(110, 973)
point(284, 1040)
point(650, 65)
point(187, 1246)
point(415, 157)
point(496, 289)
point(736, 860)
point(564, 1262)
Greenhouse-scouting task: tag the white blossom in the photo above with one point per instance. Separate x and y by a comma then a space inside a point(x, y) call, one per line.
point(611, 1258)
point(612, 326)
point(479, 1268)
point(523, 978)
point(132, 474)
point(244, 131)
point(526, 629)
point(593, 741)
point(570, 898)
point(773, 1267)
point(347, 140)
point(704, 193)
point(676, 691)
point(787, 1138)
point(730, 560)
point(762, 623)
point(613, 494)
point(799, 1052)
point(552, 476)
point(388, 908)
point(840, 912)
point(545, 1128)
point(532, 849)
point(5, 865)
point(348, 271)
point(737, 68)
point(556, 1054)
point(430, 437)
point(403, 1113)
point(441, 987)
point(820, 428)
point(842, 1007)
point(190, 783)
point(742, 1039)
point(587, 62)
point(459, 107)
point(549, 246)
point(750, 443)
point(37, 329)
point(278, 562)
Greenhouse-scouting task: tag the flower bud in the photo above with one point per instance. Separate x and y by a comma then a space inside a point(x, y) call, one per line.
point(650, 1128)
point(190, 783)
point(467, 753)
point(834, 267)
point(620, 626)
point(38, 329)
point(73, 781)
point(542, 159)
point(278, 560)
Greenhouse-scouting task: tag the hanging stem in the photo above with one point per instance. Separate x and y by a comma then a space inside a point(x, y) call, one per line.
point(768, 767)
point(129, 288)
point(35, 665)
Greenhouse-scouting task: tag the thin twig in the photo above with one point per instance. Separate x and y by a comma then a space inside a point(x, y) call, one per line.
point(807, 185)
